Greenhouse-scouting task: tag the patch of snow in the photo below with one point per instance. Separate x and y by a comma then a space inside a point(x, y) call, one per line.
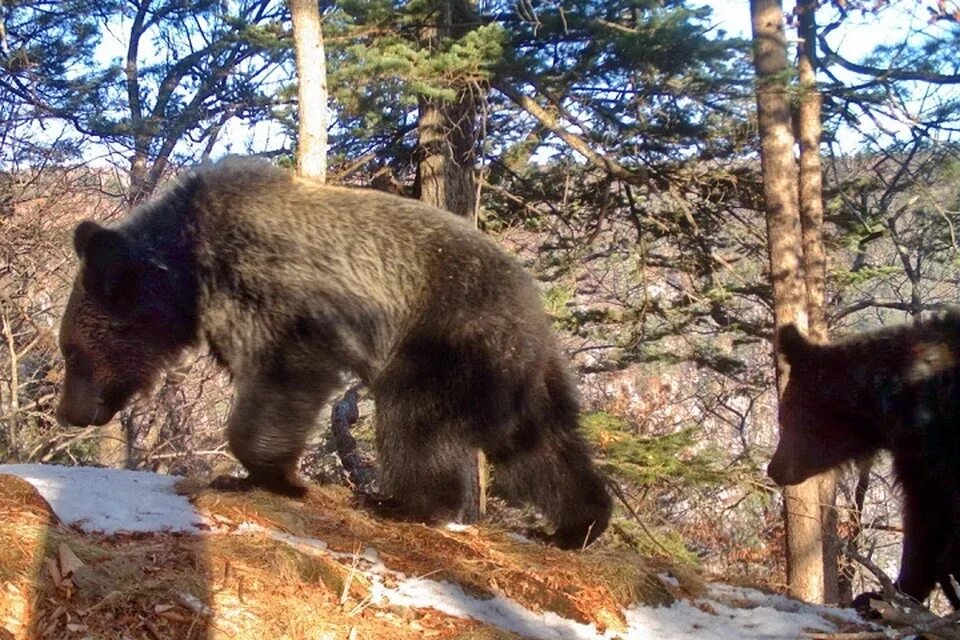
point(298, 542)
point(110, 501)
point(681, 620)
point(733, 595)
point(497, 611)
point(718, 622)
point(195, 604)
point(519, 537)
point(668, 579)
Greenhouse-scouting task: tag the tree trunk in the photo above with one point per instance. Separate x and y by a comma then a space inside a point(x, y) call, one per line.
point(447, 137)
point(784, 239)
point(312, 92)
point(448, 130)
point(112, 450)
point(814, 258)
point(811, 175)
point(446, 143)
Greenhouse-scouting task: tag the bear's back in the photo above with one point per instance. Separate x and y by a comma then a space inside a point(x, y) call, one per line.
point(252, 218)
point(272, 250)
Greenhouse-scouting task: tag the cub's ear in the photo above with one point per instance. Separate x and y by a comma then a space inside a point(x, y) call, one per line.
point(793, 345)
point(113, 271)
point(82, 234)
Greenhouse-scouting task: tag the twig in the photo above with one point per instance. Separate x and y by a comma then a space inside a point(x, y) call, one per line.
point(885, 582)
point(45, 456)
point(30, 406)
point(221, 451)
point(14, 388)
point(354, 563)
point(617, 491)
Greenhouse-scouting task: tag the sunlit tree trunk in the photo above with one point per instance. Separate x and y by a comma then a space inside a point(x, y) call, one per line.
point(810, 129)
point(784, 238)
point(313, 109)
point(447, 166)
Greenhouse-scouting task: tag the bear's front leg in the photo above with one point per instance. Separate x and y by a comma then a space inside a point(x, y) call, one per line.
point(282, 480)
point(268, 427)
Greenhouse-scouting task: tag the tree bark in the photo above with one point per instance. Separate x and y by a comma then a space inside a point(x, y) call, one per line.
point(784, 239)
point(811, 174)
point(810, 130)
point(312, 90)
point(137, 191)
point(446, 167)
point(448, 130)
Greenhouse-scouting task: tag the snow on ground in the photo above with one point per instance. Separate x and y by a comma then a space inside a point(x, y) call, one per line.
point(110, 501)
point(678, 621)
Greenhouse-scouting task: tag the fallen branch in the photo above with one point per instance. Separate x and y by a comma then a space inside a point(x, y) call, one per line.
point(896, 608)
point(854, 635)
point(917, 621)
point(343, 415)
point(900, 609)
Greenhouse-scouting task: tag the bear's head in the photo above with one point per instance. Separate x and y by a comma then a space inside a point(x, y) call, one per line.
point(121, 327)
point(818, 430)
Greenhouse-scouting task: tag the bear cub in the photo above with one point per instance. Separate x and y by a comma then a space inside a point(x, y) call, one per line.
point(896, 389)
point(292, 284)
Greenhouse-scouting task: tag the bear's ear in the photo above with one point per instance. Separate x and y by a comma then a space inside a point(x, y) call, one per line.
point(113, 272)
point(82, 234)
point(793, 345)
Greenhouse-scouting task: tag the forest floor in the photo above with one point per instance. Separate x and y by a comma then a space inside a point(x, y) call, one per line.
point(98, 553)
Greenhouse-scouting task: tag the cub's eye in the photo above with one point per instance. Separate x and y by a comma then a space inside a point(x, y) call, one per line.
point(71, 356)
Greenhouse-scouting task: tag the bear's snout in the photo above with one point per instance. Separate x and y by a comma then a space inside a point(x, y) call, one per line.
point(82, 414)
point(783, 471)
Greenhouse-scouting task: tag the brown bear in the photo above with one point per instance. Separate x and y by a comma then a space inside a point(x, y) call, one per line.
point(896, 389)
point(291, 284)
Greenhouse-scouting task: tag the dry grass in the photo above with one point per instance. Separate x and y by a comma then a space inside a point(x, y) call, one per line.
point(588, 587)
point(237, 585)
point(24, 520)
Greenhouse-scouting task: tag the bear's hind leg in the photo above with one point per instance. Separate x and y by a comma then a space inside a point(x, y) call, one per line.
point(422, 462)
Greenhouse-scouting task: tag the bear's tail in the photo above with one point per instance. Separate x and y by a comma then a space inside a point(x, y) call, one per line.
point(550, 467)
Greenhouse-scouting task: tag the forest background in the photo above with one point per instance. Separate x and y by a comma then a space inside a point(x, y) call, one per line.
point(612, 145)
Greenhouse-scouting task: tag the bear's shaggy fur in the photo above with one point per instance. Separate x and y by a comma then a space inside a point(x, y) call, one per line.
point(896, 389)
point(291, 284)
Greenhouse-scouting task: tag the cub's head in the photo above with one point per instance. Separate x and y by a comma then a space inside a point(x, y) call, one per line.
point(122, 325)
point(818, 428)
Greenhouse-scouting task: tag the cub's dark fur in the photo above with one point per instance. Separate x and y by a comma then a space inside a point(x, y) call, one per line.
point(291, 284)
point(896, 389)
